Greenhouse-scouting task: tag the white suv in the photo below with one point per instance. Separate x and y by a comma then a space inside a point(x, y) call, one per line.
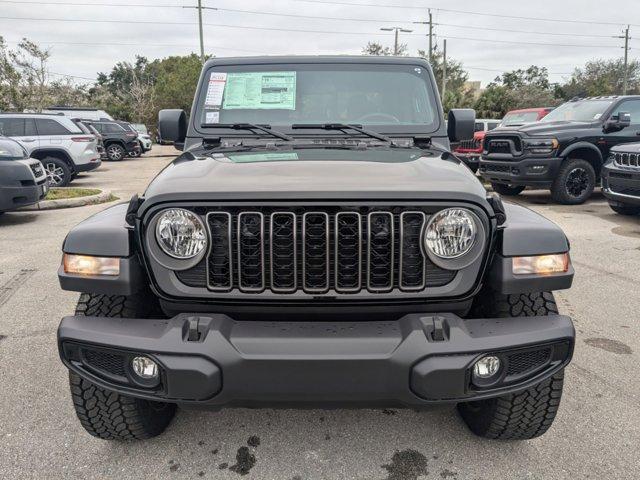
point(62, 147)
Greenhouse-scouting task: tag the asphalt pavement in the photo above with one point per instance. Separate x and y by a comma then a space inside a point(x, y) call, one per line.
point(595, 436)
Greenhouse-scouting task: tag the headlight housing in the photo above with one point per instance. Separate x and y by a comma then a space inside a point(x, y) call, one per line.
point(180, 233)
point(541, 145)
point(450, 233)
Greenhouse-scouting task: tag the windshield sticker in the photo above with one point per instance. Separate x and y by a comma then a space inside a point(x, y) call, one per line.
point(263, 157)
point(217, 81)
point(597, 116)
point(260, 91)
point(212, 117)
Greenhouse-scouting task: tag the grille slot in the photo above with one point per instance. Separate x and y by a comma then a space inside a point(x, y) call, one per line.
point(412, 264)
point(283, 253)
point(380, 240)
point(348, 251)
point(251, 252)
point(315, 252)
point(219, 269)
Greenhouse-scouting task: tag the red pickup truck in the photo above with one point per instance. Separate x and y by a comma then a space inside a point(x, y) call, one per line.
point(470, 150)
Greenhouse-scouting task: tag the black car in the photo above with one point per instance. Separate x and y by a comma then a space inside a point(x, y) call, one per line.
point(118, 140)
point(564, 152)
point(23, 180)
point(621, 179)
point(316, 244)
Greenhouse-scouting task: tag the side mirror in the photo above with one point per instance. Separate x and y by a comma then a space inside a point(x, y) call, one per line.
point(461, 124)
point(617, 122)
point(172, 126)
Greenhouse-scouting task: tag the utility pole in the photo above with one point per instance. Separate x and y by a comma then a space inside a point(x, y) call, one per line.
point(431, 24)
point(444, 68)
point(396, 45)
point(626, 61)
point(200, 8)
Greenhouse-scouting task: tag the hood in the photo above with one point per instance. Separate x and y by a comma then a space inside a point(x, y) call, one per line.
point(543, 128)
point(627, 148)
point(313, 174)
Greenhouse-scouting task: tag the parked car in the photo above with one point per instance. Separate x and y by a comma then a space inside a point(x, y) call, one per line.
point(118, 141)
point(62, 147)
point(344, 259)
point(621, 179)
point(143, 137)
point(565, 152)
point(23, 180)
point(469, 151)
point(89, 129)
point(94, 114)
point(524, 116)
point(129, 128)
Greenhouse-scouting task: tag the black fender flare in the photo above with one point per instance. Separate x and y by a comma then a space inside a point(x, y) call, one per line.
point(580, 146)
point(115, 140)
point(42, 153)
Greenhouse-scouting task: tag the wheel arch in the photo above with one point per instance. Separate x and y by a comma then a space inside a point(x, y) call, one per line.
point(42, 153)
point(585, 151)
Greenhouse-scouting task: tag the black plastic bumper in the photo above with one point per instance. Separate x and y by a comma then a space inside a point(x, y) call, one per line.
point(12, 198)
point(621, 185)
point(535, 172)
point(214, 361)
point(87, 167)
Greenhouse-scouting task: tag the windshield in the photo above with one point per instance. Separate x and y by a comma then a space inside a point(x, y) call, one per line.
point(581, 111)
point(139, 127)
point(11, 150)
point(394, 98)
point(519, 118)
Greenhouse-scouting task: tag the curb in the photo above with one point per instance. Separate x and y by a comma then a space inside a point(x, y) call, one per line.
point(101, 197)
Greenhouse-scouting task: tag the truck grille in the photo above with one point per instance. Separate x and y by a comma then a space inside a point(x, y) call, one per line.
point(316, 251)
point(473, 144)
point(627, 159)
point(505, 144)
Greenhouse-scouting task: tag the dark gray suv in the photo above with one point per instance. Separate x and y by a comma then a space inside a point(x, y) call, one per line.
point(316, 244)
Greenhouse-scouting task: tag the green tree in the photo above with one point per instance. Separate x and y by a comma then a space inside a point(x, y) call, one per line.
point(375, 48)
point(602, 77)
point(457, 95)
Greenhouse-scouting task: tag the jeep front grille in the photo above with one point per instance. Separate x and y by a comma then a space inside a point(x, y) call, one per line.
point(627, 159)
point(316, 251)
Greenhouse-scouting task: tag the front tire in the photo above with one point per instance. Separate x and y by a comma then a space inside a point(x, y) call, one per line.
point(526, 414)
point(574, 183)
point(110, 415)
point(507, 190)
point(625, 209)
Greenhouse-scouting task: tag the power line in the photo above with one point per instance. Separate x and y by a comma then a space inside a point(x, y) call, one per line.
point(473, 27)
point(109, 44)
point(423, 7)
point(331, 32)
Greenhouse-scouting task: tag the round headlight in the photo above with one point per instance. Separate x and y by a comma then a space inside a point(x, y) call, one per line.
point(180, 233)
point(451, 233)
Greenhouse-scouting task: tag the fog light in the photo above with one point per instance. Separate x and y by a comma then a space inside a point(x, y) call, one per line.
point(486, 367)
point(145, 368)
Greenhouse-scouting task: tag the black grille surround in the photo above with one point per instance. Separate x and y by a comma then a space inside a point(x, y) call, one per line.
point(288, 267)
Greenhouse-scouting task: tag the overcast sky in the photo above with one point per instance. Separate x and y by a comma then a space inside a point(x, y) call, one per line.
point(234, 31)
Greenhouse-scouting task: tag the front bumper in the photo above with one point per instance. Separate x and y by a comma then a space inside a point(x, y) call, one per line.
point(12, 198)
point(214, 361)
point(621, 185)
point(532, 171)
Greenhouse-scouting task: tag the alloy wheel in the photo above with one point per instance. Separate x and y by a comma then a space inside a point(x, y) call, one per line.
point(577, 182)
point(55, 174)
point(114, 152)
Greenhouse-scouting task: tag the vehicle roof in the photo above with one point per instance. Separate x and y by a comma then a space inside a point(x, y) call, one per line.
point(526, 110)
point(606, 97)
point(276, 59)
point(33, 114)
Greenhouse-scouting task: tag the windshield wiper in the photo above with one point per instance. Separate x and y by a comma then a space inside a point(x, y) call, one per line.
point(344, 126)
point(249, 126)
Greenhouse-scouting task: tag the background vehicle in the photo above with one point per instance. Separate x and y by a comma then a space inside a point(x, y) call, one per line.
point(328, 261)
point(118, 141)
point(469, 150)
point(89, 129)
point(129, 128)
point(23, 180)
point(80, 112)
point(62, 147)
point(621, 179)
point(143, 136)
point(563, 153)
point(517, 118)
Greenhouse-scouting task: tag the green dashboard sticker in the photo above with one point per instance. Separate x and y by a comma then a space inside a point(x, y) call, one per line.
point(260, 90)
point(263, 157)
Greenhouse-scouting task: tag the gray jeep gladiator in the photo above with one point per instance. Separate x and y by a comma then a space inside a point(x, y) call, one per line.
point(316, 245)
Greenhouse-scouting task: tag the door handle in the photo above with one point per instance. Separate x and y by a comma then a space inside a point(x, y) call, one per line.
point(29, 140)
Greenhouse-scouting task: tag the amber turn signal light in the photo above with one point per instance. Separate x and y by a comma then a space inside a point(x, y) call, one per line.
point(87, 265)
point(541, 264)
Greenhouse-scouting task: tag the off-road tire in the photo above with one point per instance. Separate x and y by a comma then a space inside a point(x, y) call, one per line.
point(58, 171)
point(574, 182)
point(507, 190)
point(625, 209)
point(526, 414)
point(106, 414)
point(115, 152)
